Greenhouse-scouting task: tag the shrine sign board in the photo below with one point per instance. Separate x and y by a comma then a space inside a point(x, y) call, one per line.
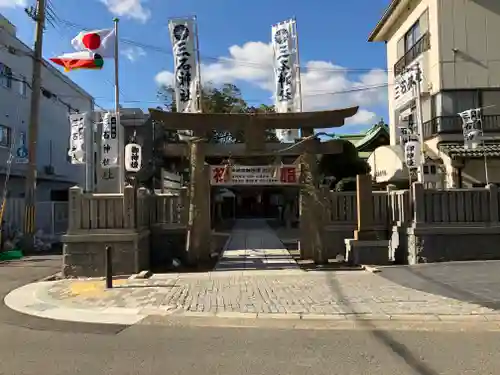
point(262, 175)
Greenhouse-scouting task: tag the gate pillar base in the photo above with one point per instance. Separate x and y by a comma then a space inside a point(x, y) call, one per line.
point(375, 252)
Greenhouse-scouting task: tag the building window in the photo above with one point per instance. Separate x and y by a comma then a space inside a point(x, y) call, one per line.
point(490, 101)
point(5, 136)
point(413, 43)
point(450, 103)
point(22, 86)
point(412, 36)
point(5, 76)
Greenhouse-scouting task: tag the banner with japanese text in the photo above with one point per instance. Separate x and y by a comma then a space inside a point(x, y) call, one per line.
point(109, 143)
point(183, 39)
point(79, 123)
point(284, 43)
point(255, 175)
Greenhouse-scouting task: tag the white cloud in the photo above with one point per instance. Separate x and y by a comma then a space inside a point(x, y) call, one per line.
point(128, 8)
point(362, 117)
point(12, 3)
point(133, 53)
point(324, 84)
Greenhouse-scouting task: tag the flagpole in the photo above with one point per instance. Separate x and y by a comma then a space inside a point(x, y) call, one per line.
point(299, 73)
point(198, 66)
point(119, 128)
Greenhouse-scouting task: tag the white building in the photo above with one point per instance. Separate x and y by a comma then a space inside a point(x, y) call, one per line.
point(455, 43)
point(60, 96)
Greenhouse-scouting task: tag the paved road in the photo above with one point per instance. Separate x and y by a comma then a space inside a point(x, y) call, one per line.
point(29, 346)
point(475, 282)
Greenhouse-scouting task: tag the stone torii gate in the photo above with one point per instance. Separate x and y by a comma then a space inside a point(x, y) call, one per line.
point(253, 126)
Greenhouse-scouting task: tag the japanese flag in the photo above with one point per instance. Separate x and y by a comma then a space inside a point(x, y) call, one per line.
point(101, 42)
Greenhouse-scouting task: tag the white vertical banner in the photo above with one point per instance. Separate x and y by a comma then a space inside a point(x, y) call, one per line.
point(109, 143)
point(183, 38)
point(79, 123)
point(471, 127)
point(284, 43)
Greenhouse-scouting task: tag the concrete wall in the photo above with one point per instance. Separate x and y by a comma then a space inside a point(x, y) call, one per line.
point(469, 27)
point(424, 225)
point(140, 227)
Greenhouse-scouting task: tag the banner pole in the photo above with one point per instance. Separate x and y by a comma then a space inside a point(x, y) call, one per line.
point(119, 128)
point(198, 66)
point(297, 67)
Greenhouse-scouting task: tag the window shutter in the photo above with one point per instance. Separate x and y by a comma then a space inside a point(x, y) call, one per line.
point(424, 23)
point(401, 47)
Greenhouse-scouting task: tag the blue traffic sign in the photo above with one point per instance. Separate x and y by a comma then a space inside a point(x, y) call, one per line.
point(22, 152)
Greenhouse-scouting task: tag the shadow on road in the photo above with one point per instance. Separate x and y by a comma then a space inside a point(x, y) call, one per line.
point(473, 282)
point(383, 337)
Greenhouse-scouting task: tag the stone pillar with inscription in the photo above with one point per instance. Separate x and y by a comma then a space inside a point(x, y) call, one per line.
point(312, 211)
point(198, 223)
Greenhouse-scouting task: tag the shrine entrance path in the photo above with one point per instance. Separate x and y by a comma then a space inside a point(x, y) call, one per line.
point(253, 245)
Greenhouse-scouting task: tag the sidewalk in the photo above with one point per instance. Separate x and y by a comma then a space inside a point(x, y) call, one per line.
point(256, 278)
point(285, 294)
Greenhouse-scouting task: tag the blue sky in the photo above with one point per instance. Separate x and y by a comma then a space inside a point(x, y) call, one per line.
point(333, 48)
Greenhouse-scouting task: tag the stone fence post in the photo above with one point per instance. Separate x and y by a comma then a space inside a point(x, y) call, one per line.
point(75, 209)
point(418, 203)
point(143, 207)
point(493, 191)
point(184, 205)
point(129, 220)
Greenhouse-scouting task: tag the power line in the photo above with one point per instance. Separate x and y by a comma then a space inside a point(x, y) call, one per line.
point(251, 64)
point(59, 20)
point(310, 94)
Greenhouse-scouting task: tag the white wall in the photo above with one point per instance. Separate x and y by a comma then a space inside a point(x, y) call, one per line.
point(53, 134)
point(431, 67)
point(472, 27)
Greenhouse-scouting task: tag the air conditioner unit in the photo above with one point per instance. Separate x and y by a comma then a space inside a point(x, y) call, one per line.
point(49, 169)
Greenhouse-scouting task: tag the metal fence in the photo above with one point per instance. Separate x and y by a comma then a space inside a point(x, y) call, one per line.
point(51, 217)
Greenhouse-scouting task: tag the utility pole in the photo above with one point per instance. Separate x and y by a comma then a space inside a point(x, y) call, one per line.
point(31, 175)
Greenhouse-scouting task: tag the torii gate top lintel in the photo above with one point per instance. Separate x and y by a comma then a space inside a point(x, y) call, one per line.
point(239, 121)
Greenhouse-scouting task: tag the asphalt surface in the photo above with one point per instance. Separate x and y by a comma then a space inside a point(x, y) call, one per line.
point(33, 346)
point(475, 282)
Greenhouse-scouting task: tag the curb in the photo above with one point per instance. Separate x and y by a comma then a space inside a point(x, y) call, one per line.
point(54, 277)
point(26, 301)
point(371, 269)
point(353, 317)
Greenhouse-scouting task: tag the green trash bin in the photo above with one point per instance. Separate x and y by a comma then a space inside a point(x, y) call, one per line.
point(11, 255)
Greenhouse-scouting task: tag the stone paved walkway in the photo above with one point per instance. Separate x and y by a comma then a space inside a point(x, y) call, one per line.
point(254, 292)
point(255, 278)
point(254, 245)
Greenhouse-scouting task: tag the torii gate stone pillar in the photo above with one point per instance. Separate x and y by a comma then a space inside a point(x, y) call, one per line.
point(312, 211)
point(198, 243)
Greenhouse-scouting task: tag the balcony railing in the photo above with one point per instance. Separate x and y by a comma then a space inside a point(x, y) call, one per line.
point(422, 45)
point(453, 124)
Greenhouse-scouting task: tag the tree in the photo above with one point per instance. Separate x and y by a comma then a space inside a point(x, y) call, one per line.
point(344, 166)
point(224, 99)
